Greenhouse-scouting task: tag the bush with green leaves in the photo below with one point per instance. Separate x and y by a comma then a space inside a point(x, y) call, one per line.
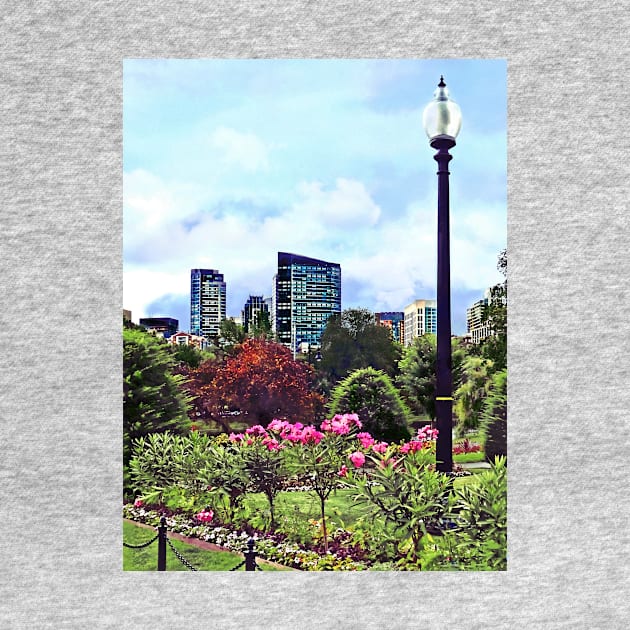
point(371, 395)
point(494, 418)
point(472, 392)
point(153, 399)
point(480, 511)
point(407, 493)
point(418, 373)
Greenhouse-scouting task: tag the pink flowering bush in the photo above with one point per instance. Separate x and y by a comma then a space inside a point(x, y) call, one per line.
point(357, 458)
point(205, 516)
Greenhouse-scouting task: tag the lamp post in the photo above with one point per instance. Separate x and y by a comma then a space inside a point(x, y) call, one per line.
point(442, 120)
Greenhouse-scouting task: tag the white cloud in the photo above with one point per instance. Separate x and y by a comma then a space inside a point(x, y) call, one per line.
point(347, 205)
point(244, 150)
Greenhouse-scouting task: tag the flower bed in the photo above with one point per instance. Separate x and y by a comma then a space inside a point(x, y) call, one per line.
point(270, 547)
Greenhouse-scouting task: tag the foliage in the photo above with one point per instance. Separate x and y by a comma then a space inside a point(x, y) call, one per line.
point(494, 347)
point(261, 381)
point(231, 336)
point(418, 373)
point(189, 355)
point(407, 493)
point(494, 417)
point(153, 400)
point(265, 468)
point(353, 340)
point(261, 326)
point(470, 395)
point(372, 396)
point(480, 511)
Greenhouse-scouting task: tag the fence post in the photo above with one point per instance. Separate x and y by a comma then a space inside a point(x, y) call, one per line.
point(161, 562)
point(250, 556)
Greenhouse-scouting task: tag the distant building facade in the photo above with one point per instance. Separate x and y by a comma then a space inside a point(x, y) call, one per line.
point(255, 304)
point(477, 327)
point(126, 315)
point(186, 339)
point(207, 302)
point(160, 326)
point(395, 321)
point(306, 292)
point(420, 319)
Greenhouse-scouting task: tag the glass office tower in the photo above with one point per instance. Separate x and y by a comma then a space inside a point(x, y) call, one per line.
point(207, 302)
point(307, 292)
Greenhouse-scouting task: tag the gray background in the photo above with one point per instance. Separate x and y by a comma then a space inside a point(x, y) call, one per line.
point(60, 405)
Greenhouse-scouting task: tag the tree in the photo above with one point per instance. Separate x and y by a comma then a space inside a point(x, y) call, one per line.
point(470, 395)
point(418, 373)
point(189, 355)
point(231, 336)
point(494, 347)
point(261, 381)
point(372, 396)
point(494, 417)
point(353, 340)
point(261, 326)
point(153, 398)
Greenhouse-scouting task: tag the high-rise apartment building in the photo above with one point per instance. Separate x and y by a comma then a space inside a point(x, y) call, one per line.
point(207, 302)
point(420, 319)
point(255, 304)
point(476, 325)
point(395, 321)
point(307, 292)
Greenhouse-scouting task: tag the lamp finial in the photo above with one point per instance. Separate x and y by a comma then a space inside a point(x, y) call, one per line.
point(441, 83)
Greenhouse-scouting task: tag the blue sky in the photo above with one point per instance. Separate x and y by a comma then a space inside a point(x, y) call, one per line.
point(227, 162)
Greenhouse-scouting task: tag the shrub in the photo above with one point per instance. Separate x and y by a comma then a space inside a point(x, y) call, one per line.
point(494, 424)
point(372, 396)
point(480, 511)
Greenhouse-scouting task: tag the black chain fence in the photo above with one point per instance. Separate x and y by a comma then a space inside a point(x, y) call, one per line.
point(162, 537)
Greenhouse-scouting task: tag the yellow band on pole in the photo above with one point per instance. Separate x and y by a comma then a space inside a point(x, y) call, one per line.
point(444, 398)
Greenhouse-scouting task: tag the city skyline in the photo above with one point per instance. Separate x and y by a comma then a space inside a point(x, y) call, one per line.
point(227, 162)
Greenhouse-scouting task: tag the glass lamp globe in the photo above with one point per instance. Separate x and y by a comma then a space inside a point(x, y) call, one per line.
point(442, 117)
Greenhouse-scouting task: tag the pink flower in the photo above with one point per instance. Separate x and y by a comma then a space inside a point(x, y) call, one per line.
point(272, 444)
point(256, 430)
point(138, 503)
point(380, 447)
point(366, 440)
point(236, 437)
point(357, 458)
point(352, 418)
point(311, 434)
point(343, 471)
point(277, 425)
point(205, 516)
point(413, 446)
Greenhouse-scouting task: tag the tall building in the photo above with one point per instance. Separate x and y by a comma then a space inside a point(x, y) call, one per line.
point(420, 319)
point(207, 302)
point(477, 328)
point(395, 321)
point(161, 326)
point(307, 292)
point(255, 304)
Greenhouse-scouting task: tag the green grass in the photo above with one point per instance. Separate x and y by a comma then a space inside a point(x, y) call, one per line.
point(146, 559)
point(480, 456)
point(305, 505)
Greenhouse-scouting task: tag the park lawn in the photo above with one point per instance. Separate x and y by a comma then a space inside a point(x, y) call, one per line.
point(145, 559)
point(464, 458)
point(340, 507)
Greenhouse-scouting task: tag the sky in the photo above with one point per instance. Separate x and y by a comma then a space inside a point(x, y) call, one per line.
point(228, 162)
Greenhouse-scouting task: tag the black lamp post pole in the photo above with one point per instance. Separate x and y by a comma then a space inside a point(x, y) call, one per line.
point(444, 377)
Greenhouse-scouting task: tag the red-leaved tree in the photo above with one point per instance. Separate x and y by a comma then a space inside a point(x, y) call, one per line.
point(261, 381)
